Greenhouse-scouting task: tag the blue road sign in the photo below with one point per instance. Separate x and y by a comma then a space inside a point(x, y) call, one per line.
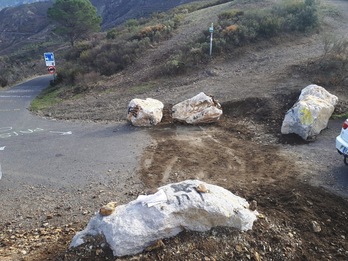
point(49, 59)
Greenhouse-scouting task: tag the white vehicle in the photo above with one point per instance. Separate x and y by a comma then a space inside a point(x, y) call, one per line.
point(342, 142)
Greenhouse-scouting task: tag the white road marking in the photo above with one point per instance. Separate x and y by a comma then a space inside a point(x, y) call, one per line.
point(8, 110)
point(17, 91)
point(62, 132)
point(7, 132)
point(15, 96)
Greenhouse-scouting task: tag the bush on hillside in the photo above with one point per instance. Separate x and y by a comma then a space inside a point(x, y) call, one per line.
point(231, 15)
point(335, 58)
point(236, 28)
point(68, 73)
point(112, 33)
point(298, 15)
point(152, 32)
point(3, 81)
point(239, 28)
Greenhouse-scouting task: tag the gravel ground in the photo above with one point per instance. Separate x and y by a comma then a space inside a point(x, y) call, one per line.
point(295, 183)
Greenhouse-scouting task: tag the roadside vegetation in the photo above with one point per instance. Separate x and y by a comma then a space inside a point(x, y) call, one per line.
point(75, 19)
point(234, 28)
point(331, 69)
point(26, 62)
point(47, 97)
point(107, 53)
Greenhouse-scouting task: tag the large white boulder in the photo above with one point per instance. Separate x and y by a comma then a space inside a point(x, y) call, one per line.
point(311, 113)
point(199, 109)
point(145, 112)
point(188, 205)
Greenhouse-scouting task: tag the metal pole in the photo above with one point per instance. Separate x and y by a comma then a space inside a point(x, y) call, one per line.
point(211, 29)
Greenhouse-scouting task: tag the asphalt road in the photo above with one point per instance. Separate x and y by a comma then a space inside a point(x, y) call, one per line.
point(322, 164)
point(35, 150)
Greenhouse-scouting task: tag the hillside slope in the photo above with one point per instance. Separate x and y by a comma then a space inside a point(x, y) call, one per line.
point(9, 3)
point(116, 12)
point(244, 152)
point(261, 69)
point(28, 24)
point(23, 25)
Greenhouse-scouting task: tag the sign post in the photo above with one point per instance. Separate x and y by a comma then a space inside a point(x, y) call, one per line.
point(51, 69)
point(211, 30)
point(49, 59)
point(51, 64)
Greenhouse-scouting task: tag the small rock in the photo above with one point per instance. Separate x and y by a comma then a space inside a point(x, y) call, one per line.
point(157, 245)
point(316, 227)
point(253, 205)
point(239, 248)
point(201, 188)
point(261, 216)
point(108, 209)
point(257, 256)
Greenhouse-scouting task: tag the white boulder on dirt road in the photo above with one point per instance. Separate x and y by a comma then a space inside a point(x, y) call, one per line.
point(311, 113)
point(145, 112)
point(197, 110)
point(188, 205)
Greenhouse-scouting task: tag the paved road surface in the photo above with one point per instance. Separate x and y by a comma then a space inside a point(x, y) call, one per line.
point(34, 150)
point(328, 169)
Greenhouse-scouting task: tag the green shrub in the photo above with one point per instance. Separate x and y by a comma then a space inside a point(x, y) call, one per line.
point(176, 21)
point(67, 74)
point(232, 15)
point(238, 28)
point(174, 65)
point(131, 23)
point(335, 57)
point(112, 34)
point(78, 48)
point(298, 15)
point(269, 24)
point(46, 98)
point(153, 32)
point(3, 81)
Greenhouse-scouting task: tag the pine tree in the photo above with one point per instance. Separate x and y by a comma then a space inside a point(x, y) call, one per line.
point(75, 19)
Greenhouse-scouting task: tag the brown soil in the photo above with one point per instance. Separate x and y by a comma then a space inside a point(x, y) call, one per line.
point(244, 153)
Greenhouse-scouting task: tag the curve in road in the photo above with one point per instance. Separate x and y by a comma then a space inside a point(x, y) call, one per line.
point(58, 156)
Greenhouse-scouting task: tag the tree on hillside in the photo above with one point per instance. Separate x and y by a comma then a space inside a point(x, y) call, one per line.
point(76, 19)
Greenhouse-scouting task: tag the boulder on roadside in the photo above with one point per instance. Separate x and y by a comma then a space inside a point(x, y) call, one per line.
point(188, 205)
point(199, 109)
point(311, 113)
point(145, 112)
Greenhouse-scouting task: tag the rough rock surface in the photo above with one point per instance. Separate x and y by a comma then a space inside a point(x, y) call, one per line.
point(173, 208)
point(199, 109)
point(311, 113)
point(145, 112)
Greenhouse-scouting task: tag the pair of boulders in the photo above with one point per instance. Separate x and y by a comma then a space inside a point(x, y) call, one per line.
point(199, 109)
point(188, 205)
point(311, 113)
